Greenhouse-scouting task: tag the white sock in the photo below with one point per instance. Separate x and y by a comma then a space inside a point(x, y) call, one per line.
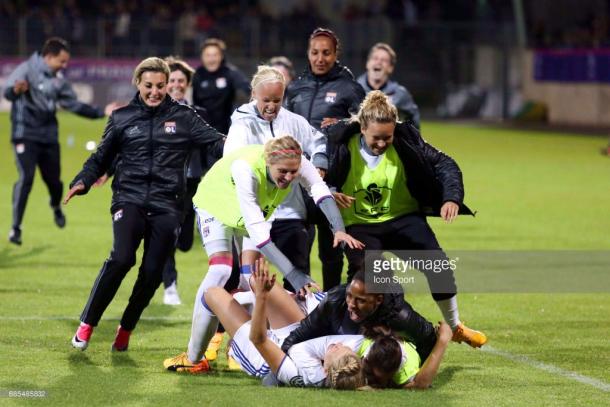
point(449, 309)
point(205, 323)
point(245, 272)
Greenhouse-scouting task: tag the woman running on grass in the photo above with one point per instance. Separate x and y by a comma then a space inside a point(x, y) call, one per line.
point(153, 136)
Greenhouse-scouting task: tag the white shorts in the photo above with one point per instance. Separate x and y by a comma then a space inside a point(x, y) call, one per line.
point(245, 353)
point(311, 301)
point(217, 237)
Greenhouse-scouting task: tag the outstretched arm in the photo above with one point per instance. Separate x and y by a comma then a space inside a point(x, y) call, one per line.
point(423, 379)
point(261, 285)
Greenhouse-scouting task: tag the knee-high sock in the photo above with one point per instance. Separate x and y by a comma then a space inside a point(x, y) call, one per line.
point(205, 323)
point(245, 272)
point(449, 309)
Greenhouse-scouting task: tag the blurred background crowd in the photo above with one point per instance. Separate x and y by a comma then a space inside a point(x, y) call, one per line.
point(454, 50)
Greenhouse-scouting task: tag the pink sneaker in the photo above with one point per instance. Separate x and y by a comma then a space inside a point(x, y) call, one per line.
point(81, 338)
point(121, 340)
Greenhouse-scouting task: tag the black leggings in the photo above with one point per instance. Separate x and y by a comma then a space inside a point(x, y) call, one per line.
point(408, 232)
point(131, 224)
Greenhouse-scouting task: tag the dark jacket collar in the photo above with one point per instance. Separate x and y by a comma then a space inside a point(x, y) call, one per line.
point(139, 103)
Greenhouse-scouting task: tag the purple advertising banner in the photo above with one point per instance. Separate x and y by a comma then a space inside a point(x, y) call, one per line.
point(584, 65)
point(96, 81)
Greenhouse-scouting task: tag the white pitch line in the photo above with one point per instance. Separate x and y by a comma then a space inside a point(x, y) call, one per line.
point(75, 318)
point(598, 384)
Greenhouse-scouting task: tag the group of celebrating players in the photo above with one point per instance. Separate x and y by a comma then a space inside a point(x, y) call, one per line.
point(315, 151)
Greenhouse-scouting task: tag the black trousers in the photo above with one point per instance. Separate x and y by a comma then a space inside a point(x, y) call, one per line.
point(330, 257)
point(28, 155)
point(409, 232)
point(131, 225)
point(292, 238)
point(186, 236)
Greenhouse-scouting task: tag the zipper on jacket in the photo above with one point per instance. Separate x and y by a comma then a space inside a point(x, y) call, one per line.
point(271, 127)
point(313, 97)
point(150, 157)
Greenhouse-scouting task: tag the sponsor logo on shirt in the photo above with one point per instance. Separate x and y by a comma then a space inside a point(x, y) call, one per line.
point(133, 131)
point(331, 97)
point(221, 83)
point(170, 127)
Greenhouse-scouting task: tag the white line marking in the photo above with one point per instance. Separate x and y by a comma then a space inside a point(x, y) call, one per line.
point(598, 384)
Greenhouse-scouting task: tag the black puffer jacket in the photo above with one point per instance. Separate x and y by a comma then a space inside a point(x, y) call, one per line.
point(433, 177)
point(336, 95)
point(216, 92)
point(331, 318)
point(153, 146)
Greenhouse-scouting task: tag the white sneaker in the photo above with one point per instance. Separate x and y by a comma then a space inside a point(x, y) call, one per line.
point(170, 296)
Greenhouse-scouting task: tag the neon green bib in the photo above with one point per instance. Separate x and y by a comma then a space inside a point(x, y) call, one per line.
point(381, 193)
point(409, 365)
point(217, 195)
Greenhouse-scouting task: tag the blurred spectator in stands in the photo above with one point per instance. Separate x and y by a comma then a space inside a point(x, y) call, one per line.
point(379, 66)
point(216, 85)
point(205, 23)
point(187, 28)
point(284, 65)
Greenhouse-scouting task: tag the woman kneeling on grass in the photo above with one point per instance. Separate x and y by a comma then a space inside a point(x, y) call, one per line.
point(235, 199)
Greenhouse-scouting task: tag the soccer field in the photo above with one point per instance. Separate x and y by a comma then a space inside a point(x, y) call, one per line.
point(532, 190)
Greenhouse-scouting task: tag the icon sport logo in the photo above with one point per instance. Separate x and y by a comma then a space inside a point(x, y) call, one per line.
point(170, 127)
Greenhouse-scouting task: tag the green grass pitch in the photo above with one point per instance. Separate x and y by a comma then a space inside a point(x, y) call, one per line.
point(532, 190)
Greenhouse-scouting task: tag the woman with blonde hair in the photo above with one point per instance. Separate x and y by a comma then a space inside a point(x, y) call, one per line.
point(264, 119)
point(235, 199)
point(150, 139)
point(388, 179)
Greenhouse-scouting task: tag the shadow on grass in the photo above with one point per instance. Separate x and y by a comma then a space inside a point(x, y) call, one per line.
point(10, 257)
point(445, 375)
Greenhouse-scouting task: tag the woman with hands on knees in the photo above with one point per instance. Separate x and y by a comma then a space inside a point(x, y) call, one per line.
point(235, 199)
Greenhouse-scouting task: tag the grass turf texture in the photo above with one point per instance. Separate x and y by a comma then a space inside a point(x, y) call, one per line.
point(532, 191)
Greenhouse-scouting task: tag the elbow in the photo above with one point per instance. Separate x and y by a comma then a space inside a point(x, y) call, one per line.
point(257, 339)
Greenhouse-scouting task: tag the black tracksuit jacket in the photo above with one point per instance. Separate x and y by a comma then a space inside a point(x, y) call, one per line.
point(153, 146)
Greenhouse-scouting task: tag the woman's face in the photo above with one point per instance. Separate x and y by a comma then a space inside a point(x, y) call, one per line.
point(211, 58)
point(268, 97)
point(284, 171)
point(152, 88)
point(177, 85)
point(322, 55)
point(378, 136)
point(334, 352)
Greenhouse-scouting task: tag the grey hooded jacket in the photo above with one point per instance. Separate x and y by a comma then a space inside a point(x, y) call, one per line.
point(33, 113)
point(399, 96)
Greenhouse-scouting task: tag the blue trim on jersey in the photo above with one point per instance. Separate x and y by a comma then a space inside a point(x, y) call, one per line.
point(319, 295)
point(246, 269)
point(247, 365)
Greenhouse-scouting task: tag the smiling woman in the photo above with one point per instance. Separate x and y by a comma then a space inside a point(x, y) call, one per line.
point(148, 191)
point(235, 201)
point(151, 77)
